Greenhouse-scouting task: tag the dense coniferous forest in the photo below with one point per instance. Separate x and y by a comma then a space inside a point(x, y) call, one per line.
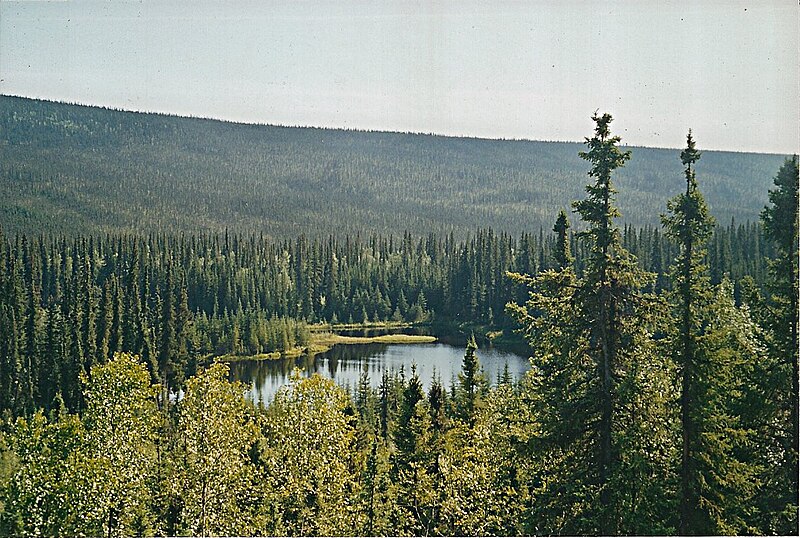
point(661, 399)
point(77, 170)
point(178, 301)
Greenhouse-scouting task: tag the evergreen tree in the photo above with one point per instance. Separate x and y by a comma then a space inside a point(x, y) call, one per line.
point(437, 401)
point(404, 438)
point(781, 228)
point(562, 253)
point(168, 345)
point(86, 295)
point(415, 462)
point(599, 393)
point(723, 463)
point(605, 288)
point(53, 358)
point(690, 225)
point(183, 332)
point(105, 320)
point(472, 385)
point(480, 487)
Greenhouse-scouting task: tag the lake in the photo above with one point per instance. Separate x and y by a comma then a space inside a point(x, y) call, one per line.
point(344, 364)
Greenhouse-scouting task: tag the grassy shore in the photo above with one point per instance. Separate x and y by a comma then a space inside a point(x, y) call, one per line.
point(323, 341)
point(331, 338)
point(327, 327)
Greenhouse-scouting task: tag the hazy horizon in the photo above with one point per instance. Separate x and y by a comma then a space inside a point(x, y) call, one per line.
point(516, 71)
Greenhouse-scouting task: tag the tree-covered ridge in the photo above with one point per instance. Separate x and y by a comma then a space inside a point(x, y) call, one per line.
point(76, 169)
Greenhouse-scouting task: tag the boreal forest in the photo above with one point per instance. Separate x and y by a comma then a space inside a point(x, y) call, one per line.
point(655, 292)
point(87, 170)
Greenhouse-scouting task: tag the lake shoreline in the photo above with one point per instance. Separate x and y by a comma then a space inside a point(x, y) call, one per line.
point(346, 364)
point(324, 336)
point(323, 342)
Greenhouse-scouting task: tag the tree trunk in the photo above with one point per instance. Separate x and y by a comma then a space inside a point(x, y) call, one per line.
point(687, 500)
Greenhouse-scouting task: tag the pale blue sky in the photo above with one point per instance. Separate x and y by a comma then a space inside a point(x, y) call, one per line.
point(537, 70)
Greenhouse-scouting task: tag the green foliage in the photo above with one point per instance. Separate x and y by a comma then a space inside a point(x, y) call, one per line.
point(214, 474)
point(562, 252)
point(121, 422)
point(378, 493)
point(482, 491)
point(690, 225)
point(780, 318)
point(115, 327)
point(309, 463)
point(176, 300)
point(416, 465)
point(75, 169)
point(596, 386)
point(52, 492)
point(780, 220)
point(724, 474)
point(472, 385)
point(720, 359)
point(597, 210)
point(89, 477)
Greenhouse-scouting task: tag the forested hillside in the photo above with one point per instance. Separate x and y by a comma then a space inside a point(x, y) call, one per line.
point(661, 399)
point(77, 169)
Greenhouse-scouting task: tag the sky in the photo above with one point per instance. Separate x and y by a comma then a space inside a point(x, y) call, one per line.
point(529, 70)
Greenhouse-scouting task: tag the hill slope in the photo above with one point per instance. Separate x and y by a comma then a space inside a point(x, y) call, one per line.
point(69, 168)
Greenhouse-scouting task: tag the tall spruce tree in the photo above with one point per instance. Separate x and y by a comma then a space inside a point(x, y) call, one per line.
point(781, 227)
point(598, 211)
point(713, 345)
point(599, 392)
point(690, 225)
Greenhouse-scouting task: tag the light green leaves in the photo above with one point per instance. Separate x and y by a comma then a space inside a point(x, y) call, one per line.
point(308, 460)
point(214, 472)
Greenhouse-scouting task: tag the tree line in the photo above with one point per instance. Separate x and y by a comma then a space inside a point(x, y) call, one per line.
point(176, 300)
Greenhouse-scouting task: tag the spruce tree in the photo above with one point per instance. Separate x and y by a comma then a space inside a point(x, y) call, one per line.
point(780, 227)
point(713, 345)
point(105, 320)
point(598, 391)
point(183, 332)
point(690, 225)
point(471, 385)
point(598, 211)
point(780, 221)
point(404, 438)
point(415, 461)
point(437, 401)
point(562, 253)
point(86, 294)
point(168, 345)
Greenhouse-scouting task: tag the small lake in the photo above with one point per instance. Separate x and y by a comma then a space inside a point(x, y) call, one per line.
point(345, 363)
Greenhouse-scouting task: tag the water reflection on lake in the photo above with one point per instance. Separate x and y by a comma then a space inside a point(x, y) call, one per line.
point(344, 364)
